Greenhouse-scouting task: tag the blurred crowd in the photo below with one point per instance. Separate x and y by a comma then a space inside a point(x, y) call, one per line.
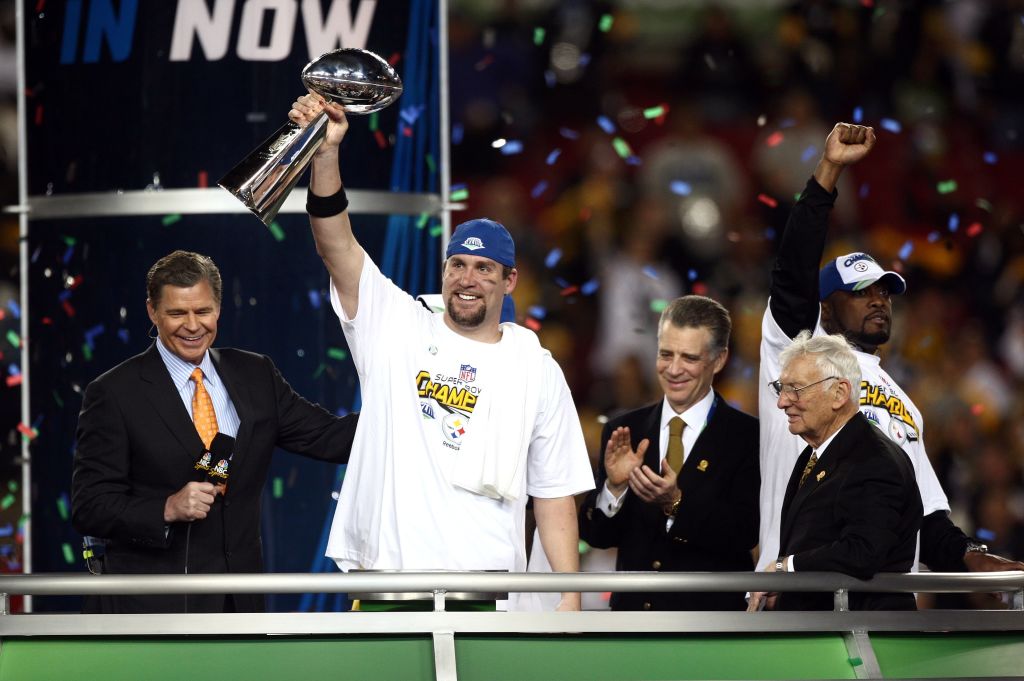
point(642, 150)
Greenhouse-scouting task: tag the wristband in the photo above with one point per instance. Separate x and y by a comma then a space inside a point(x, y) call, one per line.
point(326, 206)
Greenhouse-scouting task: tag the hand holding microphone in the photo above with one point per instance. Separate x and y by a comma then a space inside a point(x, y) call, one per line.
point(194, 500)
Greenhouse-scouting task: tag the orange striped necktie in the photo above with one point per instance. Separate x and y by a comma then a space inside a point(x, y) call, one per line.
point(203, 414)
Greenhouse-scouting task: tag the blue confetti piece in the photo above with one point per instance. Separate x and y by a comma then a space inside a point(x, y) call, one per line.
point(550, 79)
point(91, 334)
point(562, 283)
point(809, 153)
point(13, 370)
point(933, 237)
point(568, 133)
point(511, 148)
point(985, 534)
point(634, 160)
point(588, 288)
point(692, 275)
point(769, 233)
point(858, 114)
point(457, 187)
point(954, 222)
point(606, 124)
point(585, 59)
point(314, 299)
point(552, 258)
point(123, 335)
point(553, 156)
point(906, 250)
point(681, 188)
point(64, 295)
point(537, 312)
point(990, 158)
point(787, 123)
point(865, 189)
point(457, 133)
point(15, 309)
point(539, 189)
point(68, 253)
point(35, 254)
point(651, 272)
point(891, 125)
point(7, 530)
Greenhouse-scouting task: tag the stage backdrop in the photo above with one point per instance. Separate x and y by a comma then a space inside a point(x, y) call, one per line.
point(134, 96)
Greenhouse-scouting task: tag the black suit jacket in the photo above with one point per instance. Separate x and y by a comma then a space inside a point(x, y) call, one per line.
point(858, 513)
point(717, 521)
point(137, 445)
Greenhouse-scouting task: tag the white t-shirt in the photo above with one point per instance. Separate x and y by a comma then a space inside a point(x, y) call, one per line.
point(420, 383)
point(883, 403)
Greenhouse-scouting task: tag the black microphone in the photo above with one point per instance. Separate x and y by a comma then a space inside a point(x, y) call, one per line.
point(213, 465)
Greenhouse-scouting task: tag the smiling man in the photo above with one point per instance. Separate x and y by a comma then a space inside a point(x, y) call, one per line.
point(850, 295)
point(678, 481)
point(464, 417)
point(148, 422)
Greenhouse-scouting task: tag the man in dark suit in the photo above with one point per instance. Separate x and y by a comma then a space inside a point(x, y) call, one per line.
point(136, 483)
point(689, 502)
point(852, 503)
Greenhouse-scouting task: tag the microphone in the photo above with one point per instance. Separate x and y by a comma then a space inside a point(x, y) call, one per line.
point(213, 465)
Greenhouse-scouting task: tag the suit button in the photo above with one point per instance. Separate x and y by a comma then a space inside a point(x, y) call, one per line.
point(656, 565)
point(647, 606)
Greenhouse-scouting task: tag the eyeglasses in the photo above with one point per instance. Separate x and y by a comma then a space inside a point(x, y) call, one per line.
point(792, 392)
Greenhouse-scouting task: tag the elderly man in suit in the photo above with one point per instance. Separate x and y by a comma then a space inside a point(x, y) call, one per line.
point(678, 481)
point(852, 503)
point(139, 479)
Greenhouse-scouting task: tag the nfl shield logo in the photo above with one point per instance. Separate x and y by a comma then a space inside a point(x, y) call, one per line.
point(467, 373)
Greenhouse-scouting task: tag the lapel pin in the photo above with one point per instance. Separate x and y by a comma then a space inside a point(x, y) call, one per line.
point(820, 476)
point(703, 465)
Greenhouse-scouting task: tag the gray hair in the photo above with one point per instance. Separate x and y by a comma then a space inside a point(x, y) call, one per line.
point(832, 355)
point(697, 312)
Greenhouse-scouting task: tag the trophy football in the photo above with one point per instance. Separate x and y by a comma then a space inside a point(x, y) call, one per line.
point(359, 80)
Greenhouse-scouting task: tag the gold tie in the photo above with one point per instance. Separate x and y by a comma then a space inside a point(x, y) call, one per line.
point(675, 443)
point(808, 468)
point(203, 414)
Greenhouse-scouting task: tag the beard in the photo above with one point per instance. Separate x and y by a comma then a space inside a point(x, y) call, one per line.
point(469, 320)
point(863, 338)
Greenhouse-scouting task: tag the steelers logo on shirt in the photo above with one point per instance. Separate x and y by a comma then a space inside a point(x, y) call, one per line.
point(454, 427)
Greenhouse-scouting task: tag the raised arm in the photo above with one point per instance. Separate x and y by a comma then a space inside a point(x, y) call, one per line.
point(332, 231)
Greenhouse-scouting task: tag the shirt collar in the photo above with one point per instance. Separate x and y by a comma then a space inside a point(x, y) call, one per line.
point(180, 370)
point(820, 451)
point(694, 417)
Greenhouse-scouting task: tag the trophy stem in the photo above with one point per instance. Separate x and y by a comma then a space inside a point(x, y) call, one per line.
point(264, 178)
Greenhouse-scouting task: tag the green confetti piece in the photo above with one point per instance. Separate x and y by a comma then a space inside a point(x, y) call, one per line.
point(374, 118)
point(22, 521)
point(654, 112)
point(7, 502)
point(436, 230)
point(276, 231)
point(69, 240)
point(431, 165)
point(62, 508)
point(422, 221)
point(622, 147)
point(856, 661)
point(584, 547)
point(337, 353)
point(538, 35)
point(984, 205)
point(13, 338)
point(605, 24)
point(86, 352)
point(659, 305)
point(169, 220)
point(69, 555)
point(278, 488)
point(946, 186)
point(12, 485)
point(319, 370)
point(57, 399)
point(460, 195)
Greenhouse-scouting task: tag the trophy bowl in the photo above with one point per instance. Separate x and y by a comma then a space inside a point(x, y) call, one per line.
point(359, 80)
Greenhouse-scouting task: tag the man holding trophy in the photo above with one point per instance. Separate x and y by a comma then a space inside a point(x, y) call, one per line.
point(463, 416)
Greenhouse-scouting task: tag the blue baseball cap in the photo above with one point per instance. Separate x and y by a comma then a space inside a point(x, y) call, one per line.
point(485, 238)
point(855, 271)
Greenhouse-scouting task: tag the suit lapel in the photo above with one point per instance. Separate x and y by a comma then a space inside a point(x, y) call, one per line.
point(238, 391)
point(652, 431)
point(791, 490)
point(702, 456)
point(162, 394)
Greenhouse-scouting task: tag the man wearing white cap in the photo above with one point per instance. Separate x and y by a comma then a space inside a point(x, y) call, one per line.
point(463, 416)
point(851, 295)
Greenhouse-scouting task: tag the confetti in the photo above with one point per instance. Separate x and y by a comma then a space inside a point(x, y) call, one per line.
point(538, 36)
point(865, 189)
point(655, 111)
point(858, 114)
point(436, 230)
point(606, 124)
point(658, 305)
point(906, 250)
point(984, 205)
point(382, 141)
point(69, 554)
point(15, 309)
point(276, 231)
point(203, 179)
point(977, 409)
point(13, 381)
point(553, 156)
point(532, 324)
point(537, 311)
point(933, 237)
point(539, 189)
point(767, 200)
point(511, 148)
point(550, 79)
point(569, 290)
point(7, 502)
point(954, 222)
point(422, 220)
point(891, 125)
point(13, 338)
point(681, 188)
point(649, 271)
point(974, 229)
point(583, 547)
point(605, 24)
point(169, 220)
point(337, 353)
point(809, 153)
point(431, 164)
point(774, 139)
point(278, 488)
point(946, 186)
point(622, 147)
point(62, 506)
point(590, 287)
point(568, 133)
point(484, 63)
point(692, 275)
point(457, 133)
point(459, 193)
point(990, 158)
point(553, 256)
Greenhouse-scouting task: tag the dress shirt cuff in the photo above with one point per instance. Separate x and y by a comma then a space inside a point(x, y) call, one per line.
point(608, 503)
